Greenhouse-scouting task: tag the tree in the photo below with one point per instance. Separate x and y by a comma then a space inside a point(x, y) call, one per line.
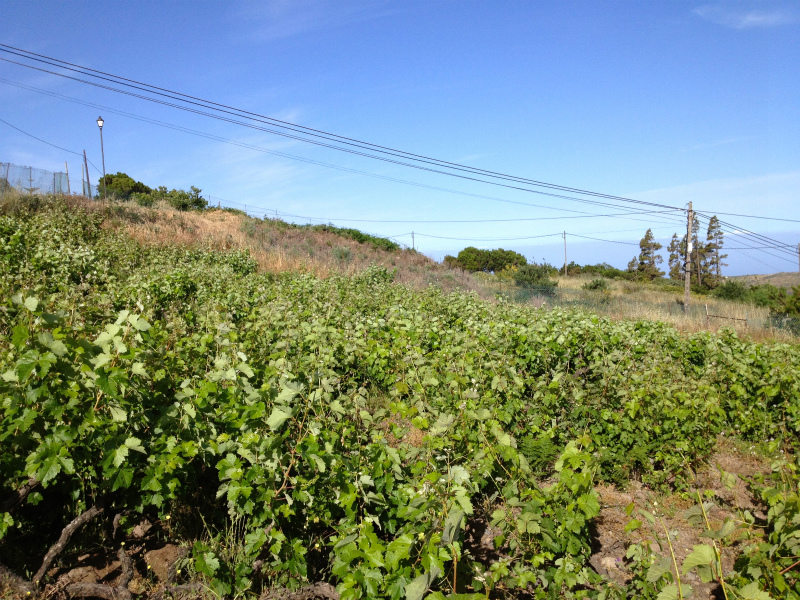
point(646, 266)
point(181, 199)
point(489, 261)
point(714, 263)
point(700, 269)
point(677, 250)
point(452, 262)
point(122, 185)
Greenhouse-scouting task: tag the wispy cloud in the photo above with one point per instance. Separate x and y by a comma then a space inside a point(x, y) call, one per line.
point(718, 143)
point(279, 19)
point(738, 17)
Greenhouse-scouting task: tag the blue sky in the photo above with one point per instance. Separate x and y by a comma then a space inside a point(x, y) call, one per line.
point(667, 102)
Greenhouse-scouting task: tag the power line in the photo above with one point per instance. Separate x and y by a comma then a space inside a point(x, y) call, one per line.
point(324, 164)
point(210, 105)
point(329, 137)
point(48, 143)
point(600, 240)
point(520, 219)
point(757, 238)
point(757, 260)
point(441, 237)
point(756, 217)
point(751, 233)
point(39, 139)
point(295, 128)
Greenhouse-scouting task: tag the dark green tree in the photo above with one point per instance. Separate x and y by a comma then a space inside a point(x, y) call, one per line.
point(181, 199)
point(676, 250)
point(490, 261)
point(713, 247)
point(646, 265)
point(121, 185)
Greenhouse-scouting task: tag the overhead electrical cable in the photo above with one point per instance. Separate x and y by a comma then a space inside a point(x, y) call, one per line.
point(520, 219)
point(754, 217)
point(208, 105)
point(707, 216)
point(744, 236)
point(303, 159)
point(442, 237)
point(40, 139)
point(759, 261)
point(539, 192)
point(599, 240)
point(730, 229)
point(49, 143)
point(327, 136)
point(179, 96)
point(776, 243)
point(760, 249)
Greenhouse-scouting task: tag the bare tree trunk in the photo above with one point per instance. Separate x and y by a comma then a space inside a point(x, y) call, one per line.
point(67, 532)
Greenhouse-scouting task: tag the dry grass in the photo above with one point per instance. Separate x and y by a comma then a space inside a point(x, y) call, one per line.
point(279, 247)
point(785, 280)
point(625, 300)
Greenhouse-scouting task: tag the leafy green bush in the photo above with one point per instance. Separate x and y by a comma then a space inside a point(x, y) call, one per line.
point(535, 276)
point(376, 242)
point(596, 285)
point(489, 261)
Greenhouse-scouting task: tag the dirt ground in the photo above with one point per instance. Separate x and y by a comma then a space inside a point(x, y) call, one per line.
point(156, 562)
point(728, 494)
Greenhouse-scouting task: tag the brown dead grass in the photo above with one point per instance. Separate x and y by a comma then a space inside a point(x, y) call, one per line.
point(277, 246)
point(626, 300)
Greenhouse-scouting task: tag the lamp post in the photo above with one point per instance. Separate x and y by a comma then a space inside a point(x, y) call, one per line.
point(103, 154)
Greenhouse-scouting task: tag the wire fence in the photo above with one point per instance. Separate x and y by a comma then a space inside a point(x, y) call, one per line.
point(30, 181)
point(698, 315)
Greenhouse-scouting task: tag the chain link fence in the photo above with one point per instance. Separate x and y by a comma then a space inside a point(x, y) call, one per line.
point(30, 181)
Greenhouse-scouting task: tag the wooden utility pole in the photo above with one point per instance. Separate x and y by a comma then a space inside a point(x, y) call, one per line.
point(564, 235)
point(413, 245)
point(798, 258)
point(687, 266)
point(88, 179)
point(66, 168)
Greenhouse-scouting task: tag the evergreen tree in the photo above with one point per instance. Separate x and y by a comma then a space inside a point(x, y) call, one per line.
point(676, 249)
point(698, 253)
point(700, 272)
point(714, 259)
point(646, 266)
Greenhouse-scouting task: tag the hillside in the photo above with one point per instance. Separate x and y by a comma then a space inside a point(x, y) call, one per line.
point(785, 280)
point(212, 427)
point(275, 245)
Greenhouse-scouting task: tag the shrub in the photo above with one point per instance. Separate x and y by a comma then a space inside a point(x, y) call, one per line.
point(596, 284)
point(534, 276)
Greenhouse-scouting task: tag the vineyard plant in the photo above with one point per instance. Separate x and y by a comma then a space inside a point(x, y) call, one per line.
point(348, 437)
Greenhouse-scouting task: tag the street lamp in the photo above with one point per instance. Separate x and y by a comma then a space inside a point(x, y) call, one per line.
point(103, 154)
